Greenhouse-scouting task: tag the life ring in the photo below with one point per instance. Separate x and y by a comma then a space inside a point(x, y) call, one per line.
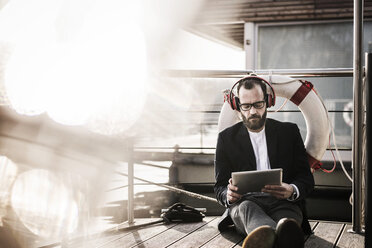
point(310, 104)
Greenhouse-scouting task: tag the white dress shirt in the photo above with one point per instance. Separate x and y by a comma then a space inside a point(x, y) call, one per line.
point(258, 140)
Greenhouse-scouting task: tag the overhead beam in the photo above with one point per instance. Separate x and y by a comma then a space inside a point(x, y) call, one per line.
point(216, 36)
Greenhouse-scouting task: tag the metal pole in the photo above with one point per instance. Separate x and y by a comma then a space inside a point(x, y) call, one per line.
point(358, 114)
point(368, 83)
point(130, 183)
point(201, 137)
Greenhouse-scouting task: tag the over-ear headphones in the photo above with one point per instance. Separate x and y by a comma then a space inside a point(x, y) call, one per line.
point(269, 96)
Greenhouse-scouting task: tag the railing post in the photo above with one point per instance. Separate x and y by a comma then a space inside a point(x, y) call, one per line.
point(130, 151)
point(201, 137)
point(358, 117)
point(368, 83)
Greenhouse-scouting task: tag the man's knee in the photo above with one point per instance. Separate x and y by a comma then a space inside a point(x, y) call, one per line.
point(246, 206)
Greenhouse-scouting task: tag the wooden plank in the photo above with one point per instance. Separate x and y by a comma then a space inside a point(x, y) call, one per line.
point(325, 235)
point(350, 240)
point(99, 239)
point(137, 236)
point(205, 234)
point(199, 237)
point(173, 234)
point(313, 223)
point(225, 239)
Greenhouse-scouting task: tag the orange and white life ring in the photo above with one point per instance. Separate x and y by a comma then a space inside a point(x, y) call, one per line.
point(311, 106)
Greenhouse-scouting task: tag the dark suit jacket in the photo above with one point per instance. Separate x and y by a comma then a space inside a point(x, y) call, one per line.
point(286, 150)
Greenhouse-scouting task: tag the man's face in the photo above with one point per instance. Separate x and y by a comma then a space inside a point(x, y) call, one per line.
point(254, 119)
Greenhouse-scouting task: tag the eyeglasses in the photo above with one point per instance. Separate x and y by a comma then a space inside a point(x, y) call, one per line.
point(248, 106)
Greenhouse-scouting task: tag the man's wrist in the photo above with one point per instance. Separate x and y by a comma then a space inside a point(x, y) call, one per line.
point(295, 193)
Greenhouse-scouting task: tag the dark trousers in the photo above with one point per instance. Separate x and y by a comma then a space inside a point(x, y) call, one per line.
point(254, 211)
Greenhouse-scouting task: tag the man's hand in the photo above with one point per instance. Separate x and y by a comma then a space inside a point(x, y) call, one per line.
point(283, 191)
point(232, 196)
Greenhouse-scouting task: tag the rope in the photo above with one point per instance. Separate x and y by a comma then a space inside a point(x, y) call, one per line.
point(334, 139)
point(171, 188)
point(280, 108)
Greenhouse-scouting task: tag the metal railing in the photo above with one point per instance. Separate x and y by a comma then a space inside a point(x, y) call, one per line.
point(295, 73)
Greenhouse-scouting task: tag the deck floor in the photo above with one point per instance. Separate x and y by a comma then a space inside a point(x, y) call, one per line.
point(205, 234)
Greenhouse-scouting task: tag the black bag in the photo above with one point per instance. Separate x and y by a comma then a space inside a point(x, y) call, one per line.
point(180, 212)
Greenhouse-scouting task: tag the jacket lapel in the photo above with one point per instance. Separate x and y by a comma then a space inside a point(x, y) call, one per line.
point(271, 141)
point(247, 147)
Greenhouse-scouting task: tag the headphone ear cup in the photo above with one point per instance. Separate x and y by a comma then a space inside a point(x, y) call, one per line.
point(236, 103)
point(272, 100)
point(269, 101)
point(233, 102)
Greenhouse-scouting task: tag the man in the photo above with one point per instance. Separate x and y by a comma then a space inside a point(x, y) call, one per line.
point(275, 214)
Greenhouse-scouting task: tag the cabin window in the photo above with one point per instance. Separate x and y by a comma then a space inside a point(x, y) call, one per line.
point(313, 46)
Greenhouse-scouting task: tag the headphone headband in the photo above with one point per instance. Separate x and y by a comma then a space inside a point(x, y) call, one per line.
point(234, 100)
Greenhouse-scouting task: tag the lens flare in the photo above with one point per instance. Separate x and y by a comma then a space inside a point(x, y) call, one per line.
point(44, 204)
point(8, 173)
point(83, 63)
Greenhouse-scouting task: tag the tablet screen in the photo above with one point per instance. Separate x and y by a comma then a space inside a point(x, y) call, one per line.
point(254, 181)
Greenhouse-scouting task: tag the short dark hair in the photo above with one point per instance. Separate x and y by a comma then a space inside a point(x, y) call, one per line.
point(249, 83)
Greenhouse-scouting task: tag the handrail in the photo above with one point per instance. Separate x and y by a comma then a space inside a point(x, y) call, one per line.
point(193, 148)
point(295, 73)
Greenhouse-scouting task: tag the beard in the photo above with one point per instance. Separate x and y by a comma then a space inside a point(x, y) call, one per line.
point(255, 122)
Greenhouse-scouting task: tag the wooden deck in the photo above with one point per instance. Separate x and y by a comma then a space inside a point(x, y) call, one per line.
point(205, 234)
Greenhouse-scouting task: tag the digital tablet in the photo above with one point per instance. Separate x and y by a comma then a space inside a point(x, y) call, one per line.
point(254, 181)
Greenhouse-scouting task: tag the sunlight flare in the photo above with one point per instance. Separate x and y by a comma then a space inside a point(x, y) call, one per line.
point(83, 63)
